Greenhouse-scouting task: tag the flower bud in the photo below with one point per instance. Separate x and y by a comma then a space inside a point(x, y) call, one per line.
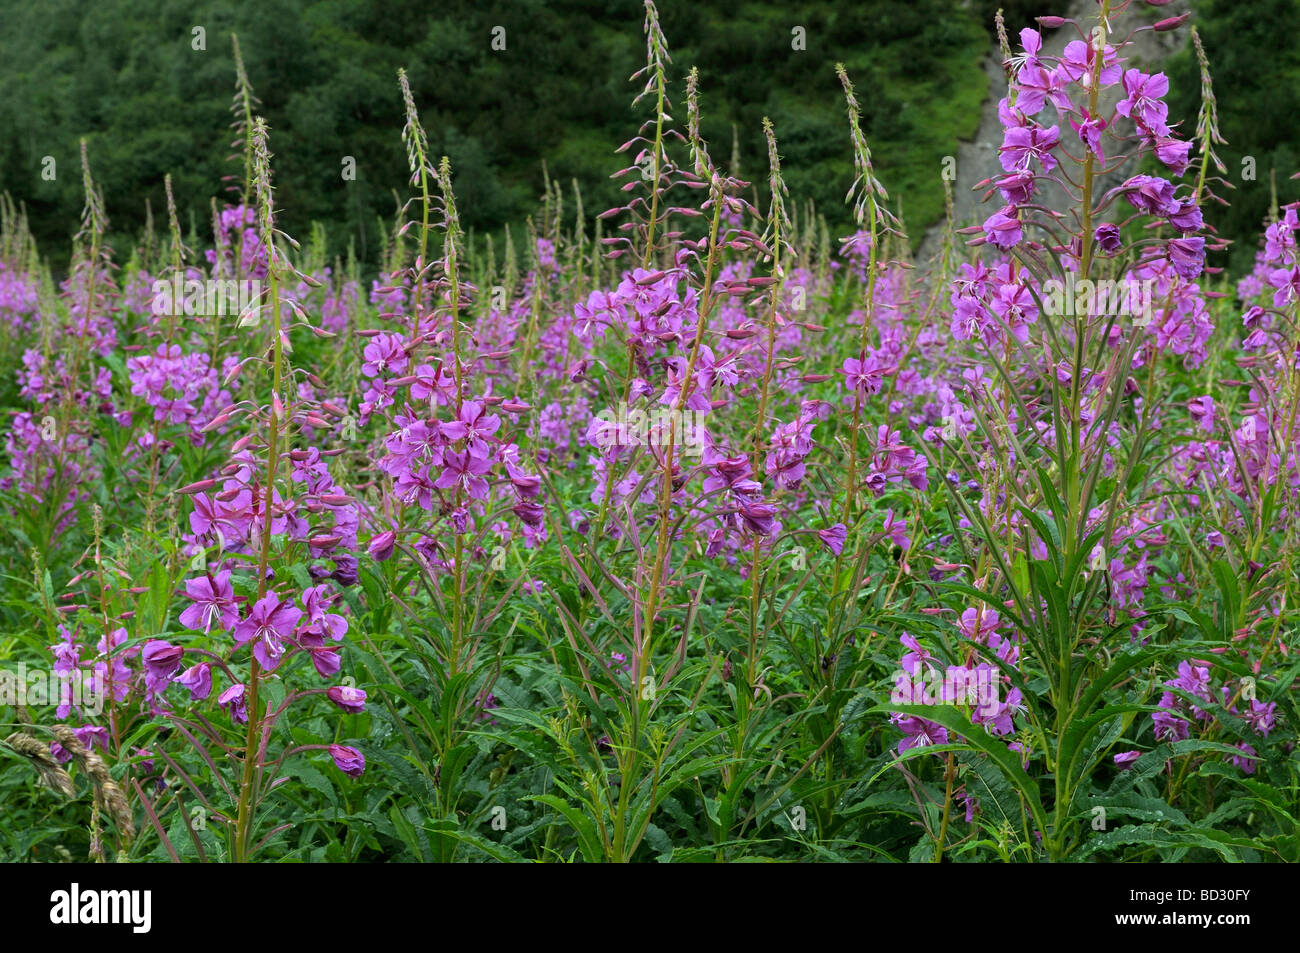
point(351, 700)
point(381, 546)
point(348, 760)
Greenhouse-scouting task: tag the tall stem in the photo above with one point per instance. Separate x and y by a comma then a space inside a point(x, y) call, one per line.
point(252, 739)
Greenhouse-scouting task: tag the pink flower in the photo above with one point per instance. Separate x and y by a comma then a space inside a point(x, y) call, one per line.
point(867, 375)
point(918, 733)
point(896, 530)
point(472, 424)
point(349, 760)
point(1108, 238)
point(1187, 255)
point(381, 546)
point(1079, 59)
point(833, 538)
point(198, 679)
point(161, 660)
point(1149, 193)
point(233, 701)
point(1002, 228)
point(1173, 154)
point(384, 354)
point(1023, 144)
point(1143, 103)
point(331, 624)
point(1089, 132)
point(465, 471)
point(214, 601)
point(1126, 758)
point(326, 659)
point(268, 624)
point(351, 700)
point(1202, 411)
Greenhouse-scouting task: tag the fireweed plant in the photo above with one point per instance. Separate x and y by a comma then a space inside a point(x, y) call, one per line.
point(683, 533)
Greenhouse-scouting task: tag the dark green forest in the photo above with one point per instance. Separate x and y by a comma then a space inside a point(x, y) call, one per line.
point(1254, 53)
point(151, 95)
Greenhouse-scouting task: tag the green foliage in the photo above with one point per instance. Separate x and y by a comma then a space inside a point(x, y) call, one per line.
point(128, 79)
point(1254, 52)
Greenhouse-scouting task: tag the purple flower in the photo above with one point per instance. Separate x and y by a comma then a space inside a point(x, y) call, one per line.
point(384, 354)
point(93, 736)
point(916, 655)
point(758, 518)
point(1262, 717)
point(1173, 154)
point(464, 470)
point(161, 660)
point(234, 702)
point(978, 624)
point(917, 732)
point(532, 514)
point(1187, 255)
point(268, 624)
point(198, 679)
point(1287, 283)
point(1036, 86)
point(1023, 144)
point(833, 537)
point(867, 375)
point(1202, 411)
point(327, 660)
point(1078, 61)
point(1089, 132)
point(1014, 304)
point(896, 530)
point(213, 601)
point(1002, 228)
point(349, 760)
point(381, 546)
point(486, 701)
point(1126, 758)
point(1143, 103)
point(1186, 217)
point(1151, 194)
point(1108, 238)
point(331, 624)
point(1247, 759)
point(1170, 727)
point(351, 700)
point(472, 424)
point(526, 485)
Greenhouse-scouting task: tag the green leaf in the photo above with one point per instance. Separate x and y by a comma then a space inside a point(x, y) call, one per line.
point(977, 738)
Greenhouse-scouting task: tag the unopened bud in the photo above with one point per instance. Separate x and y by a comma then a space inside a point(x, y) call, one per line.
point(197, 487)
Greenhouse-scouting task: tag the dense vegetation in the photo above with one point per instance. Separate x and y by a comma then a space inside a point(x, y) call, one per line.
point(129, 81)
point(1255, 51)
point(728, 536)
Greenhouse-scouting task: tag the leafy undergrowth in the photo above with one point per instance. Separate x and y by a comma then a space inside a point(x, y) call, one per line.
point(688, 534)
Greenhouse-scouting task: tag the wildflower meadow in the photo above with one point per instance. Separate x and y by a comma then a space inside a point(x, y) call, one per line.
point(693, 529)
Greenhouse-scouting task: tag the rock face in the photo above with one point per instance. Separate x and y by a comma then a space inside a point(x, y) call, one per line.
point(979, 159)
